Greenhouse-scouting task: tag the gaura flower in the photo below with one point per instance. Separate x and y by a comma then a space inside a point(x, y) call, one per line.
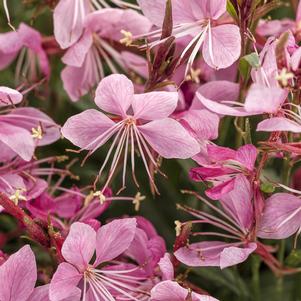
point(69, 17)
point(18, 276)
point(198, 19)
point(141, 123)
point(226, 164)
point(86, 59)
point(32, 62)
point(237, 224)
point(107, 278)
point(24, 129)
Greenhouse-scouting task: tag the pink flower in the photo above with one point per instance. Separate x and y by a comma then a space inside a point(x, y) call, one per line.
point(142, 123)
point(237, 221)
point(27, 42)
point(22, 130)
point(171, 290)
point(18, 275)
point(105, 278)
point(226, 165)
point(69, 18)
point(86, 59)
point(281, 216)
point(198, 19)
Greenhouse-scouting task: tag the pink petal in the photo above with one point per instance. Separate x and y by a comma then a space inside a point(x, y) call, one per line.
point(76, 54)
point(64, 283)
point(114, 238)
point(298, 15)
point(153, 10)
point(220, 153)
point(208, 8)
point(217, 91)
point(247, 155)
point(166, 267)
point(9, 96)
point(154, 105)
point(40, 293)
point(281, 216)
point(216, 192)
point(280, 124)
point(238, 203)
point(115, 94)
point(264, 99)
point(169, 139)
point(201, 124)
point(29, 118)
point(18, 276)
point(233, 255)
point(222, 109)
point(201, 254)
point(135, 63)
point(83, 129)
point(171, 290)
point(79, 246)
point(68, 21)
point(10, 45)
point(17, 139)
point(295, 59)
point(225, 46)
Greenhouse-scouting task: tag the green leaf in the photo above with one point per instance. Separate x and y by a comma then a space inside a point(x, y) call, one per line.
point(267, 187)
point(252, 59)
point(294, 258)
point(231, 10)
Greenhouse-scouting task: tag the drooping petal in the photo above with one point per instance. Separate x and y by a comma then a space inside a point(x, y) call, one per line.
point(169, 138)
point(18, 275)
point(9, 96)
point(279, 124)
point(69, 17)
point(114, 238)
point(83, 129)
point(222, 109)
point(64, 283)
point(222, 46)
point(218, 191)
point(18, 139)
point(79, 246)
point(76, 54)
point(171, 290)
point(154, 105)
point(219, 153)
point(217, 91)
point(281, 216)
point(264, 99)
point(238, 203)
point(153, 10)
point(115, 94)
point(234, 255)
point(205, 253)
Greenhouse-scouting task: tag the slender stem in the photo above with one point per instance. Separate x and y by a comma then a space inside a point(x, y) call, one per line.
point(256, 262)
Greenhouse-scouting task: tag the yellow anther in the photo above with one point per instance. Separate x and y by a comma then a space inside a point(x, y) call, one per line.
point(37, 133)
point(62, 158)
point(178, 228)
point(17, 196)
point(284, 76)
point(137, 200)
point(127, 39)
point(194, 75)
point(100, 196)
point(89, 198)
